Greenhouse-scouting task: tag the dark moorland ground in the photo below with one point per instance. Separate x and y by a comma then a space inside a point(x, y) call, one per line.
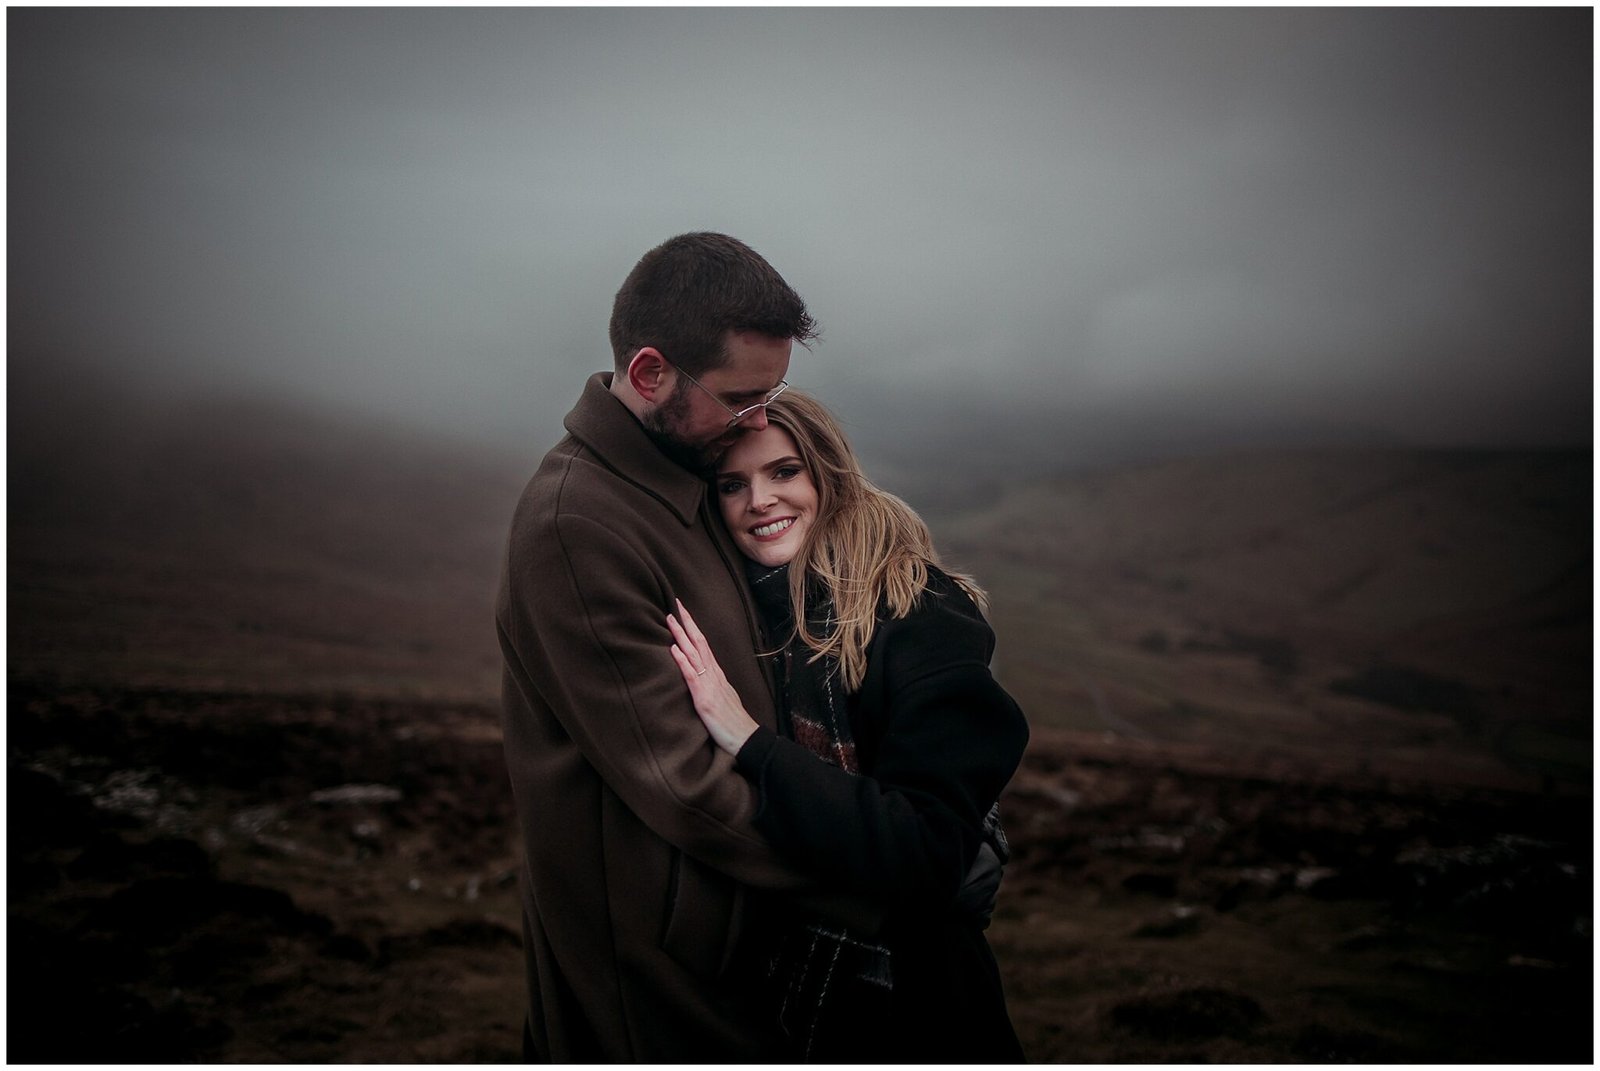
point(1303, 791)
point(242, 878)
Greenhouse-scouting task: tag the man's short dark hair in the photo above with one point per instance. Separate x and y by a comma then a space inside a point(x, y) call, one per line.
point(686, 294)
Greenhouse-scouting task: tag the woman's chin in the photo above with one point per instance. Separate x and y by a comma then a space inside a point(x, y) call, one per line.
point(771, 556)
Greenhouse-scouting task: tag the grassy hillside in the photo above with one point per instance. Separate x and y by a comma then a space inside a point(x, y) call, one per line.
point(254, 546)
point(1383, 606)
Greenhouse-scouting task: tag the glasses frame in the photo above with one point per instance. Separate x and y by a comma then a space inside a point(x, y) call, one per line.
point(738, 415)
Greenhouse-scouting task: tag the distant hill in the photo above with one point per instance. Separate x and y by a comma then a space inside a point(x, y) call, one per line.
point(1384, 604)
point(254, 545)
point(1390, 605)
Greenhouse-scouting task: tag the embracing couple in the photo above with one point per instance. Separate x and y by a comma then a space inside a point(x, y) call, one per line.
point(752, 735)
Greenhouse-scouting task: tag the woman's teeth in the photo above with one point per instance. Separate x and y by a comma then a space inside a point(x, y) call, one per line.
point(772, 529)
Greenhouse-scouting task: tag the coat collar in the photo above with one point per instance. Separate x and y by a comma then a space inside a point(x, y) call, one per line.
point(602, 423)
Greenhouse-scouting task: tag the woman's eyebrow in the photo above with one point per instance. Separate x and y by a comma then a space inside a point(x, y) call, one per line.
point(726, 474)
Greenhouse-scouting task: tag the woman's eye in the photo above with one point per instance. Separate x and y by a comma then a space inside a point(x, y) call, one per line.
point(788, 472)
point(729, 487)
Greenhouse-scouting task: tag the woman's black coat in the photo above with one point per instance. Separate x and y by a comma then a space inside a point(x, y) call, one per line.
point(938, 739)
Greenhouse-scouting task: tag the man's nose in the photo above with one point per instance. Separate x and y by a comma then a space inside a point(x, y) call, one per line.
point(756, 421)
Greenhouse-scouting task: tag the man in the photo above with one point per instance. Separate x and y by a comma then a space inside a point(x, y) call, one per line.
point(640, 855)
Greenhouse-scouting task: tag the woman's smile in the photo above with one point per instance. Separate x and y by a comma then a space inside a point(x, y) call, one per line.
point(772, 530)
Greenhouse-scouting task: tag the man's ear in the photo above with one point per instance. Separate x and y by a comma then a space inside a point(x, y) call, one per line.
point(647, 374)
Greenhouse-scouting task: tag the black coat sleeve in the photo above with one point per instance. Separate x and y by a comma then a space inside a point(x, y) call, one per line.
point(943, 739)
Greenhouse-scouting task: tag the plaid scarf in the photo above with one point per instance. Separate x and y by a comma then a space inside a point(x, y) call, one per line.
point(830, 986)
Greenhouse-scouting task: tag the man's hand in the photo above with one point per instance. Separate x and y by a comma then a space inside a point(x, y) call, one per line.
point(715, 700)
point(981, 887)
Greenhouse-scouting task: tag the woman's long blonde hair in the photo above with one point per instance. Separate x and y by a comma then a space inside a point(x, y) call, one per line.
point(865, 547)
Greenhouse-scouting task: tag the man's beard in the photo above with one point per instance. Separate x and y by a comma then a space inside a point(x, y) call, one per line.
point(660, 425)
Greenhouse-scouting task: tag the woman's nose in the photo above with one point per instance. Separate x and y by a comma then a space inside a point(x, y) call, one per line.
point(761, 497)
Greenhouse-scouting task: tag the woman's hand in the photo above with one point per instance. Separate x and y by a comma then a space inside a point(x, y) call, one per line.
point(715, 700)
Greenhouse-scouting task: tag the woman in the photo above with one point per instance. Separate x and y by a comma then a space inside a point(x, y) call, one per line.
point(896, 743)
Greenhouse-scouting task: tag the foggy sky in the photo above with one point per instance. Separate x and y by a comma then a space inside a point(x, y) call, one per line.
point(1374, 223)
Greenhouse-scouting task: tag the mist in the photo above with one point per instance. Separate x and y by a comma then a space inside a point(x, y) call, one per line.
point(1100, 232)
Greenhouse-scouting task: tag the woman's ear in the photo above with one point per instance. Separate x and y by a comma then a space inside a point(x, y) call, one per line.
point(647, 373)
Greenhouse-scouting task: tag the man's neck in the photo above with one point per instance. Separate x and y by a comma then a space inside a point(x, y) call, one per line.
point(624, 392)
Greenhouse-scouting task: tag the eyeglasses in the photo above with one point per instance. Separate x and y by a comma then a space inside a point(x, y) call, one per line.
point(737, 414)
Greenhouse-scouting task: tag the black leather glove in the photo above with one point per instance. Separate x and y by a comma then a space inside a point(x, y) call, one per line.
point(981, 886)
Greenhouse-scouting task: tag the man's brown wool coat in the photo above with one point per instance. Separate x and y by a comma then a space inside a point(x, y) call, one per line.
point(636, 829)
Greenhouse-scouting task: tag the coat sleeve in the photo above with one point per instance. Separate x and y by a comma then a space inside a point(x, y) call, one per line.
point(582, 623)
point(907, 834)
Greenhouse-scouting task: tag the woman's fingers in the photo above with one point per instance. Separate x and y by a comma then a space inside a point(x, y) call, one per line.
point(693, 629)
point(686, 647)
point(704, 657)
point(690, 675)
point(715, 701)
point(678, 635)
